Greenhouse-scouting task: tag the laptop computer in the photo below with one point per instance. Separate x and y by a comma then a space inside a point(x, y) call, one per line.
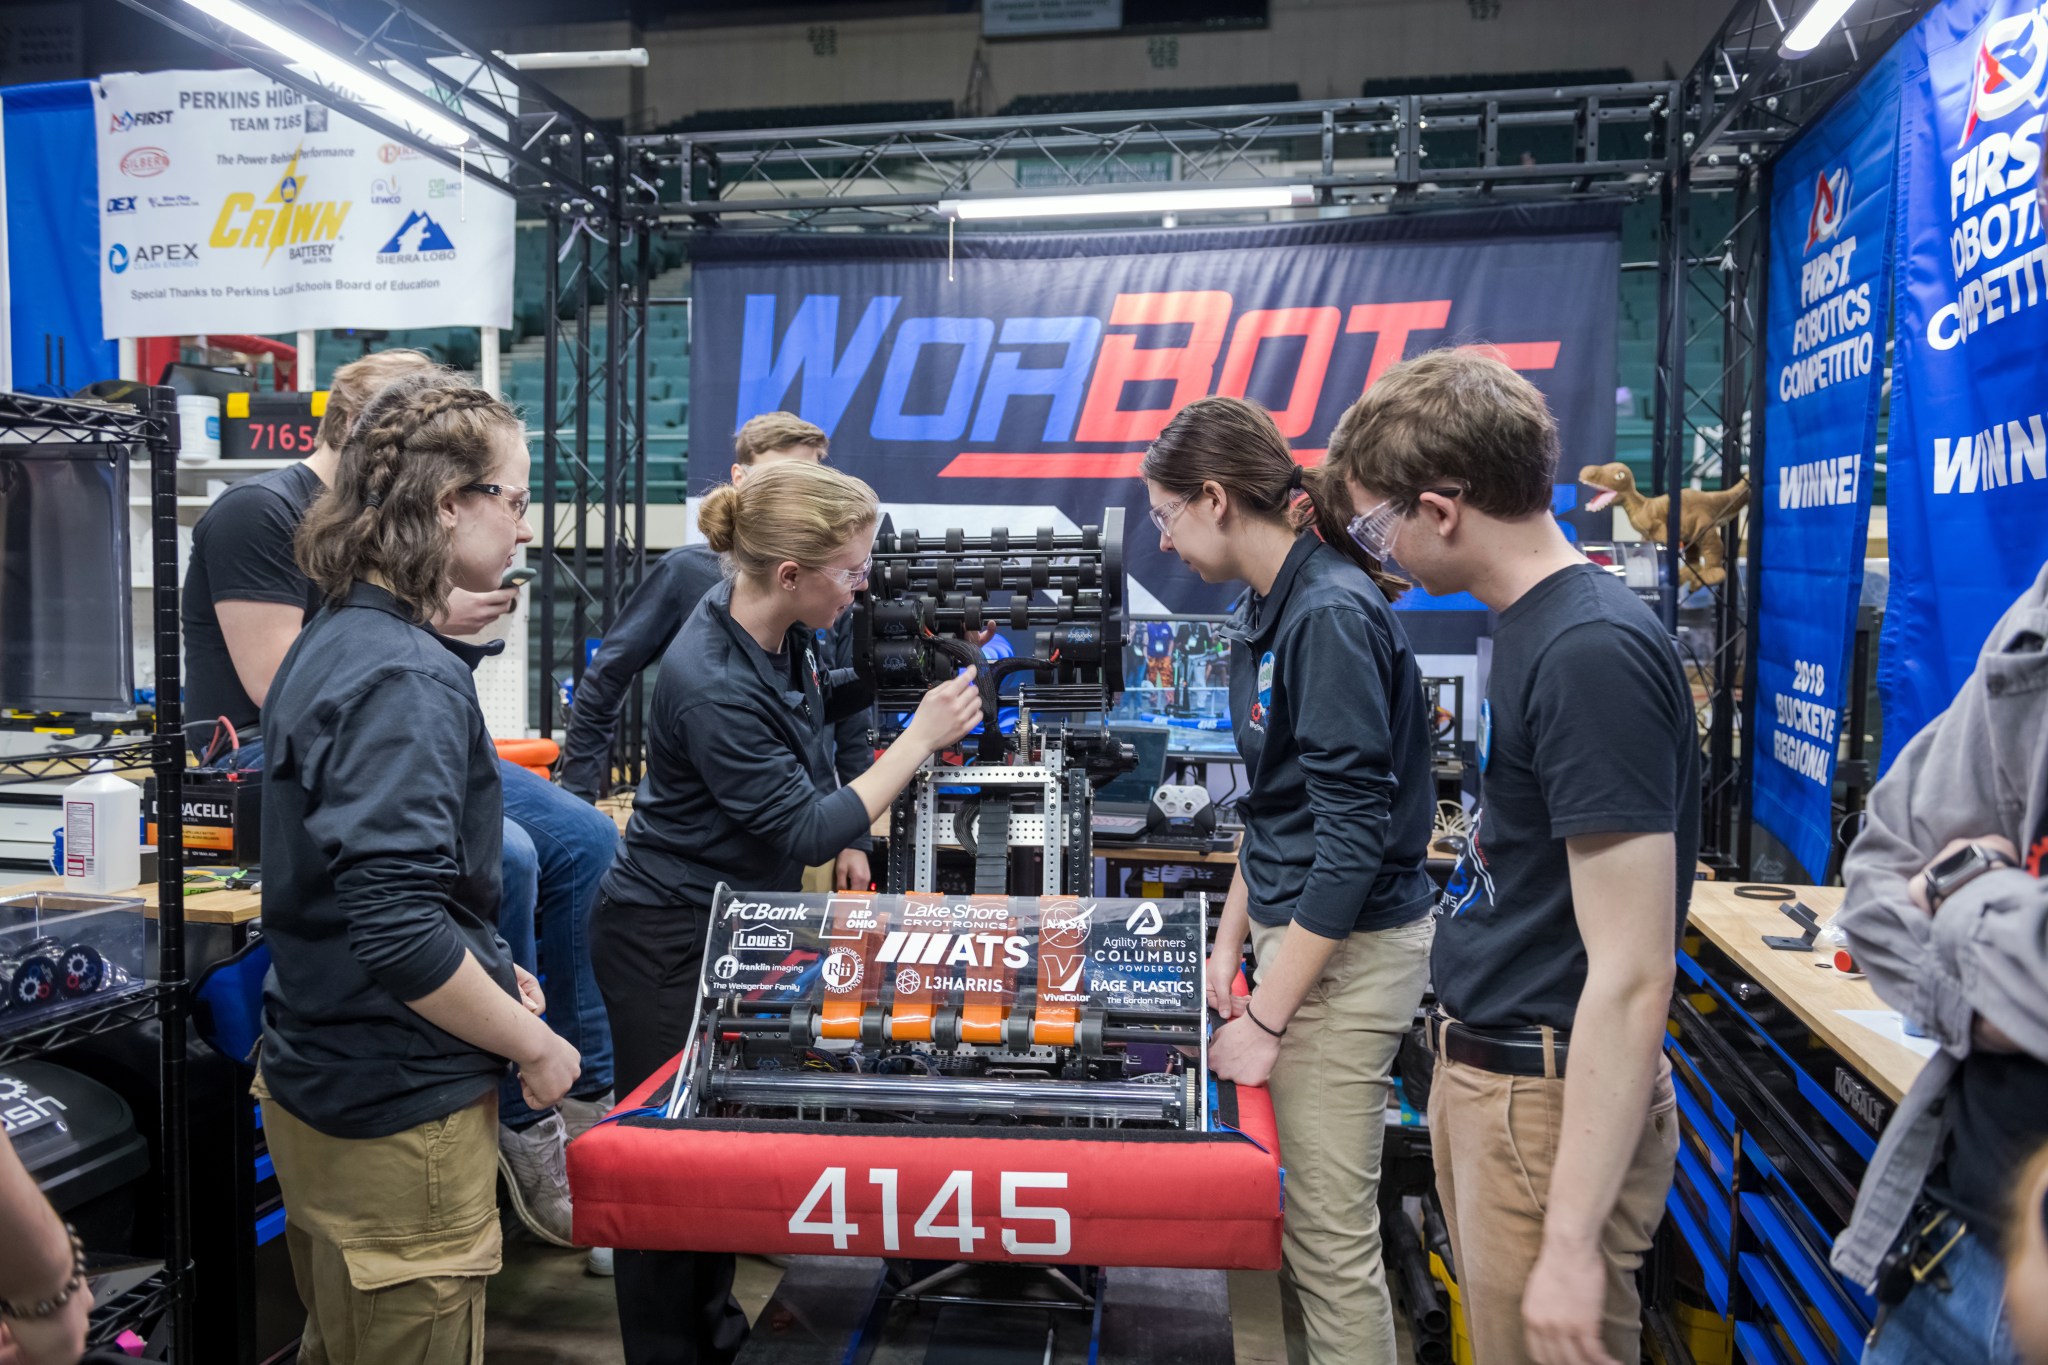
point(1122, 806)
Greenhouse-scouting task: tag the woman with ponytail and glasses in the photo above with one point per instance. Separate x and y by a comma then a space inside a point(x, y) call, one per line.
point(393, 1007)
point(1330, 888)
point(740, 789)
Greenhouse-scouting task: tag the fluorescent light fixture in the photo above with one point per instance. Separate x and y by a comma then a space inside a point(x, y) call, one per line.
point(1812, 27)
point(572, 61)
point(417, 112)
point(1130, 201)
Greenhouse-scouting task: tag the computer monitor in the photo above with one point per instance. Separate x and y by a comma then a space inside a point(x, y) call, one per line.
point(1177, 673)
point(1135, 787)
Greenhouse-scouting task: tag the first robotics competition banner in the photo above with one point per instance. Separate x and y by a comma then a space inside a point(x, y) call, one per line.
point(1831, 256)
point(1968, 472)
point(1018, 381)
point(234, 204)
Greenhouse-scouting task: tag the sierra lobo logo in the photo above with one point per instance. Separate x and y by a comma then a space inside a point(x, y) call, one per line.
point(128, 122)
point(419, 238)
point(1830, 206)
point(144, 162)
point(2008, 69)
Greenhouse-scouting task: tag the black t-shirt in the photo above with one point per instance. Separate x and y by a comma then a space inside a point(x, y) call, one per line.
point(1587, 728)
point(1999, 1116)
point(241, 552)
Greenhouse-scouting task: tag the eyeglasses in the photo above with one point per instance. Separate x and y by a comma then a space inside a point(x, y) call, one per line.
point(517, 500)
point(1163, 515)
point(848, 578)
point(1374, 530)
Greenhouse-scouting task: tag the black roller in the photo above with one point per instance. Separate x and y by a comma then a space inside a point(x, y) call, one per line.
point(999, 540)
point(1404, 1253)
point(1045, 537)
point(1041, 573)
point(906, 541)
point(992, 575)
point(946, 572)
point(956, 540)
point(1091, 537)
point(1020, 613)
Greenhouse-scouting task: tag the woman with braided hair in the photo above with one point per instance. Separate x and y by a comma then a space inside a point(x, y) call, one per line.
point(393, 1006)
point(1327, 704)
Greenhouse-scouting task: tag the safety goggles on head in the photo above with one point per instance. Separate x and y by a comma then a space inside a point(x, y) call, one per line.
point(517, 500)
point(1374, 530)
point(849, 578)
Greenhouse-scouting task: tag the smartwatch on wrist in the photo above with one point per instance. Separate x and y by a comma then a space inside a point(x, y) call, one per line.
point(1946, 876)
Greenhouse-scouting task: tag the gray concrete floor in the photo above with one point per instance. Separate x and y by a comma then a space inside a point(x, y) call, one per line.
point(545, 1311)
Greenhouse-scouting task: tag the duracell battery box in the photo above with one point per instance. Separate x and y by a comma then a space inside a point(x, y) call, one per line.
point(223, 818)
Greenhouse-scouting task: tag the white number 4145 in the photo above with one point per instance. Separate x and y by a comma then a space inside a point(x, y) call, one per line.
point(956, 1196)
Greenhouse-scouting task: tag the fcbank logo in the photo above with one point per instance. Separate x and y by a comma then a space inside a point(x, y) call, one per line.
point(1830, 206)
point(2007, 71)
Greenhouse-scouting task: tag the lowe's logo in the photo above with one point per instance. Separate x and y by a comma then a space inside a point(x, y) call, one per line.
point(1114, 380)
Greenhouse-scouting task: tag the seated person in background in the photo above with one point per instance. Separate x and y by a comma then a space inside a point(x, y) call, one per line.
point(1951, 922)
point(392, 1005)
point(245, 601)
point(656, 611)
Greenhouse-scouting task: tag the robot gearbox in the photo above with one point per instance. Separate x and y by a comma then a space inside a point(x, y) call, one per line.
point(958, 1077)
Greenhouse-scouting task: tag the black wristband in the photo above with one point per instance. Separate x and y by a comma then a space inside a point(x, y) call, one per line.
point(1280, 1032)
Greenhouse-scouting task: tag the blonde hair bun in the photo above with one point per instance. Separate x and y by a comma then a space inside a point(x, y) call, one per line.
point(716, 516)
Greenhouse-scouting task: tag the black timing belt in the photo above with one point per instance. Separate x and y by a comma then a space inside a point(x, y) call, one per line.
point(992, 848)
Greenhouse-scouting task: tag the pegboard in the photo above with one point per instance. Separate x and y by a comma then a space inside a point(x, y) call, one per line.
point(501, 681)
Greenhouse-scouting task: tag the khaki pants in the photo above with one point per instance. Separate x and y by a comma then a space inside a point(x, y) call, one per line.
point(1329, 1090)
point(392, 1239)
point(1494, 1139)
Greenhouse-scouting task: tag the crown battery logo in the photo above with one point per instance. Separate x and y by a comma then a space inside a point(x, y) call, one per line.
point(1830, 206)
point(2008, 69)
point(419, 238)
point(286, 217)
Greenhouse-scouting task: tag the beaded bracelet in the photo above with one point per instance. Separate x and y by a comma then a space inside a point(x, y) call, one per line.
point(44, 1308)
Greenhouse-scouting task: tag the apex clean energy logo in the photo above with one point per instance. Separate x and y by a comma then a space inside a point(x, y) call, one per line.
point(117, 258)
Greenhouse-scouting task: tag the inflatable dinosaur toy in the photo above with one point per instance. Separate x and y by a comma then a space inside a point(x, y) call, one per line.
point(1700, 513)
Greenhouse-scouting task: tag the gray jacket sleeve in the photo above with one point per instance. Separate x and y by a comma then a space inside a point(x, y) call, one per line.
point(1986, 951)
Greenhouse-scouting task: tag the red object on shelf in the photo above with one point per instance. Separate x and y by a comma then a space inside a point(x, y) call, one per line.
point(153, 353)
point(943, 1192)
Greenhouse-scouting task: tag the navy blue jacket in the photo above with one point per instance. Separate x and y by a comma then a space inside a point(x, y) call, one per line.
point(645, 626)
point(740, 784)
point(1328, 708)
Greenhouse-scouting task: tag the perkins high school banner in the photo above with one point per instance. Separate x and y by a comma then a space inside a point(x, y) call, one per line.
point(1968, 476)
point(1831, 255)
point(233, 204)
point(1019, 383)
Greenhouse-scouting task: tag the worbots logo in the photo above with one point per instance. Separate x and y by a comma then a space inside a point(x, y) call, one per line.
point(1830, 206)
point(2008, 69)
point(117, 258)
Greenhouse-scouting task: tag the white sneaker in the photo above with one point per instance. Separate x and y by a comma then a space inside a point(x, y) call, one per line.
point(537, 1173)
point(580, 1116)
point(599, 1263)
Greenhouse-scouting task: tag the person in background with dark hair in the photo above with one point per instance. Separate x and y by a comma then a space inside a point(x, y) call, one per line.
point(656, 611)
point(1327, 704)
point(1946, 909)
point(1551, 1114)
point(392, 1006)
point(246, 599)
point(740, 790)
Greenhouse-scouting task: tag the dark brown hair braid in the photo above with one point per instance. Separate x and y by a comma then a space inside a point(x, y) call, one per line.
point(419, 440)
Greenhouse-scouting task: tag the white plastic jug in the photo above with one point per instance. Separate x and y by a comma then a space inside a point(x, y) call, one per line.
point(102, 832)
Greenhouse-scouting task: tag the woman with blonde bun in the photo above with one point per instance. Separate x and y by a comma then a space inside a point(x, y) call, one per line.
point(740, 789)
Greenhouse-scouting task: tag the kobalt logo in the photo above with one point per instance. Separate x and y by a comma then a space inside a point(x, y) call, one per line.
point(145, 162)
point(1145, 920)
point(124, 203)
point(126, 122)
point(763, 910)
point(2008, 69)
point(1830, 206)
point(842, 971)
point(953, 950)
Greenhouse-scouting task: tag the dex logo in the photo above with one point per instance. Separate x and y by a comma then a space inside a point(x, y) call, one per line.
point(1830, 206)
point(2012, 57)
point(122, 203)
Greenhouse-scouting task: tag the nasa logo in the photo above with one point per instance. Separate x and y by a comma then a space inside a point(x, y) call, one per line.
point(1830, 206)
point(1066, 924)
point(2008, 69)
point(842, 971)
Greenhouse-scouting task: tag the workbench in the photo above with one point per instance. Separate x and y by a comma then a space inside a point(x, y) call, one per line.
point(1782, 1092)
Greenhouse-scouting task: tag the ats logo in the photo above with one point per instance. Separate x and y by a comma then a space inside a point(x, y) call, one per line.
point(125, 122)
point(286, 217)
point(1830, 206)
point(419, 238)
point(2012, 57)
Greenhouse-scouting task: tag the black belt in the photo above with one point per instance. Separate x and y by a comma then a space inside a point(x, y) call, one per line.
point(1504, 1051)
